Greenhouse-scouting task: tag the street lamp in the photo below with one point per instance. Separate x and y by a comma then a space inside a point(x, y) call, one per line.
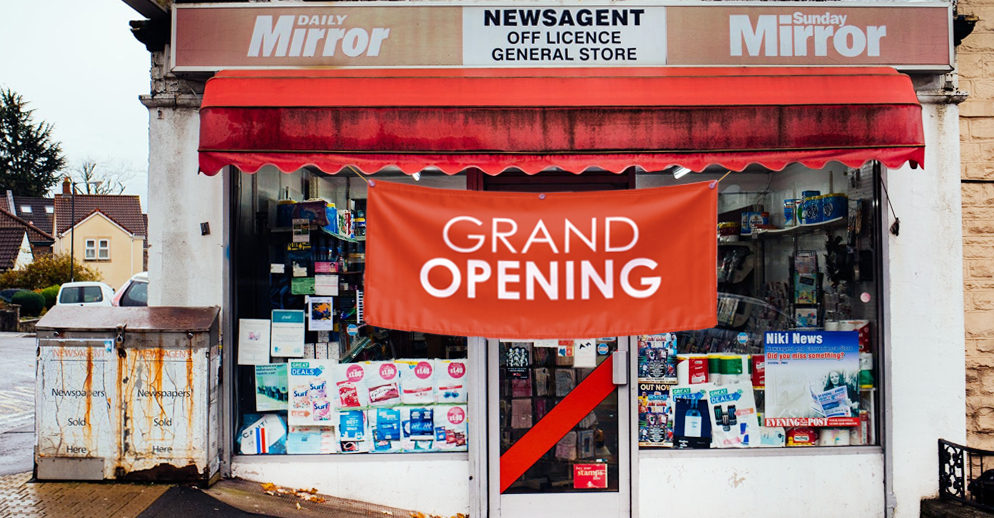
point(72, 223)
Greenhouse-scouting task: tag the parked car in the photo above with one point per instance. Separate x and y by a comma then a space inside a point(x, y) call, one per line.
point(134, 292)
point(85, 293)
point(8, 294)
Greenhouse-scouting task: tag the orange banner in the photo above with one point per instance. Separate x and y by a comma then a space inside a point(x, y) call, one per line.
point(529, 265)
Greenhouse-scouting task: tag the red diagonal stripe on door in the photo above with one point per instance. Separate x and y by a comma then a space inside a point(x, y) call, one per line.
point(556, 424)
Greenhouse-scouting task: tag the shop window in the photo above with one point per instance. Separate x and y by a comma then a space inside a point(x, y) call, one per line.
point(792, 360)
point(313, 378)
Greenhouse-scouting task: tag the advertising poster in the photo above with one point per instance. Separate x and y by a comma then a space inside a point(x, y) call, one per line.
point(655, 407)
point(287, 337)
point(312, 393)
point(271, 387)
point(811, 378)
point(253, 341)
point(691, 424)
point(657, 357)
point(732, 409)
point(590, 476)
point(321, 313)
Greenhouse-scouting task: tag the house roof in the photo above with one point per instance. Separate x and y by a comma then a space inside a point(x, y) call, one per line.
point(35, 234)
point(10, 245)
point(123, 209)
point(37, 215)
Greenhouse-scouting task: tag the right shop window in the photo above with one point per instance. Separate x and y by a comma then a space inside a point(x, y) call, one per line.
point(793, 359)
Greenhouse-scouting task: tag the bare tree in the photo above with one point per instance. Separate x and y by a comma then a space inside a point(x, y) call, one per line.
point(106, 180)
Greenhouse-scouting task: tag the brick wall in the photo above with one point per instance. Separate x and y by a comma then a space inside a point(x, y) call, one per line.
point(975, 61)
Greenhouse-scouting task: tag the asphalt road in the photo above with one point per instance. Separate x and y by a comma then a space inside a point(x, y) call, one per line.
point(17, 402)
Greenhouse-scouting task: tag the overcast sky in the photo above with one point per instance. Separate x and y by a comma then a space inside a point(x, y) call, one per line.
point(80, 69)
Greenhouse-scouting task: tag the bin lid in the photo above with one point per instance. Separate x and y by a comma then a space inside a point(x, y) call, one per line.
point(137, 319)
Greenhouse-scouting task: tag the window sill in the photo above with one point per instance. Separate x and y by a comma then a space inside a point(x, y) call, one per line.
point(760, 452)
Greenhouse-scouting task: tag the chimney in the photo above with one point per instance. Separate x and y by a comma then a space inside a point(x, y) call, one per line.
point(66, 186)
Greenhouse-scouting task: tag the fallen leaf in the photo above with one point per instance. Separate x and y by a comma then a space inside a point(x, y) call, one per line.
point(298, 505)
point(312, 491)
point(270, 493)
point(388, 512)
point(268, 487)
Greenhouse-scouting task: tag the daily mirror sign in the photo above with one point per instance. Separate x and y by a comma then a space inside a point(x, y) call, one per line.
point(908, 36)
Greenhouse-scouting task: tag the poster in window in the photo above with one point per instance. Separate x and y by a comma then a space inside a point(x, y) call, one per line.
point(271, 387)
point(655, 407)
point(321, 313)
point(811, 378)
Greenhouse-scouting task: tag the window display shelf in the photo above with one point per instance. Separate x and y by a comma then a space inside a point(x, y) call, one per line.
point(799, 229)
point(287, 230)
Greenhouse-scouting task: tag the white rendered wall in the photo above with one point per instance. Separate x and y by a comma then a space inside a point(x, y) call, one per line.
point(415, 482)
point(925, 363)
point(184, 268)
point(761, 483)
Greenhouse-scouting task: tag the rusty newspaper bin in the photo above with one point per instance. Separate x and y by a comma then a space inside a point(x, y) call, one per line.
point(128, 393)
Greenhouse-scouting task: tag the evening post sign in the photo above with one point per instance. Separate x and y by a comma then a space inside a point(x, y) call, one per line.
point(909, 36)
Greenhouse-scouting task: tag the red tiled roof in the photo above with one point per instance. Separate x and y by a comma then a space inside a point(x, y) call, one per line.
point(35, 234)
point(10, 244)
point(38, 215)
point(123, 209)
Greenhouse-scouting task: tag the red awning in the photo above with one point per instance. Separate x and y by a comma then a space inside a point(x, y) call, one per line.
point(575, 119)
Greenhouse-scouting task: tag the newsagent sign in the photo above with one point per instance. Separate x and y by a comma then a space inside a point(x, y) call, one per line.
point(356, 34)
point(529, 265)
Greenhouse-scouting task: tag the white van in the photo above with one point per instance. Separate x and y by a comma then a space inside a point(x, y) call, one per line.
point(85, 293)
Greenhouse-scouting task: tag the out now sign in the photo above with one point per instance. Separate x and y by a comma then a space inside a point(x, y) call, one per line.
point(533, 265)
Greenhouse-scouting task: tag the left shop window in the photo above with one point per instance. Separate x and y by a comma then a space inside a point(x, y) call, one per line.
point(312, 377)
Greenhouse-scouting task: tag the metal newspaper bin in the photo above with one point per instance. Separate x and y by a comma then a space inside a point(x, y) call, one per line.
point(128, 393)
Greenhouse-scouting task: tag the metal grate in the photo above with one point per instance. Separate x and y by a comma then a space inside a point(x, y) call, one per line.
point(966, 475)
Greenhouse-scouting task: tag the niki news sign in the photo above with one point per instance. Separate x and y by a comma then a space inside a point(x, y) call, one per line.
point(908, 36)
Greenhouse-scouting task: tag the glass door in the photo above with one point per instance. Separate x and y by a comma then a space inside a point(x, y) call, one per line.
point(558, 428)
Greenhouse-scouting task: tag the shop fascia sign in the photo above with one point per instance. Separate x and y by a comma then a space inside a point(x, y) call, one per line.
point(907, 36)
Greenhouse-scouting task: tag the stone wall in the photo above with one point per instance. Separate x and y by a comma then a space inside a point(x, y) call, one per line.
point(975, 61)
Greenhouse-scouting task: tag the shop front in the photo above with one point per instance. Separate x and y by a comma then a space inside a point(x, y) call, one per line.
point(464, 275)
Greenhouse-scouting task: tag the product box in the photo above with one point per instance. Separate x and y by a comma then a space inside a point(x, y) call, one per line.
point(417, 381)
point(450, 381)
point(384, 423)
point(417, 425)
point(350, 385)
point(383, 382)
point(311, 440)
point(353, 432)
point(451, 431)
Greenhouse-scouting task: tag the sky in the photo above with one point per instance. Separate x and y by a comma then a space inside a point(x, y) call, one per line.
point(80, 69)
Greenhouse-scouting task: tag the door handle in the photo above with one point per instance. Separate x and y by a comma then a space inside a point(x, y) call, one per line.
point(619, 372)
